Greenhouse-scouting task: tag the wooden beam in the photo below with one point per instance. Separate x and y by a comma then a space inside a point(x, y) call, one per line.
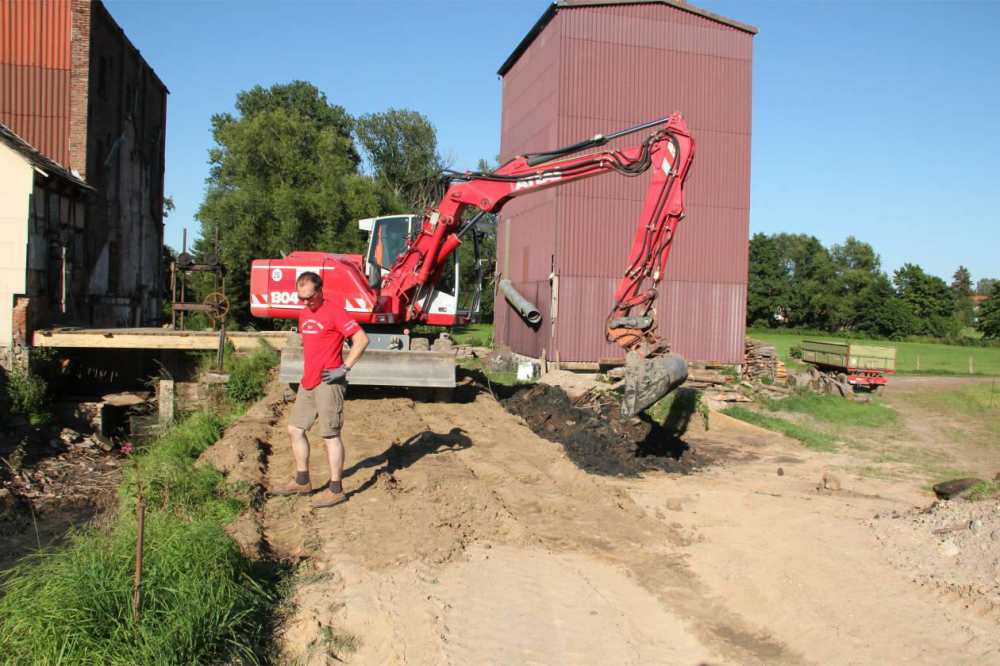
point(153, 339)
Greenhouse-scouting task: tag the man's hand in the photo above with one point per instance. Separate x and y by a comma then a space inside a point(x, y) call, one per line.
point(338, 376)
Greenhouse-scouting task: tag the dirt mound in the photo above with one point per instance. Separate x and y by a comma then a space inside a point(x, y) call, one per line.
point(591, 431)
point(242, 452)
point(952, 548)
point(241, 455)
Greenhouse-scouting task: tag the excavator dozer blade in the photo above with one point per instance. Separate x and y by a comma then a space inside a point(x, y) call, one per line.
point(380, 367)
point(649, 379)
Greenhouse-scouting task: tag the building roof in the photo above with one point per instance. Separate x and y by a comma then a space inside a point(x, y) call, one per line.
point(39, 161)
point(111, 19)
point(573, 4)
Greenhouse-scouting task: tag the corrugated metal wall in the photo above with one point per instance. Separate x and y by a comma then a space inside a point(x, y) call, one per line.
point(526, 241)
point(35, 38)
point(619, 66)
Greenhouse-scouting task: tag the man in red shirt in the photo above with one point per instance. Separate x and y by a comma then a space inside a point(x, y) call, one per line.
point(323, 326)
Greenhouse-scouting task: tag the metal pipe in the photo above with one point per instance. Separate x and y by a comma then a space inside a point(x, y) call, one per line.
point(520, 303)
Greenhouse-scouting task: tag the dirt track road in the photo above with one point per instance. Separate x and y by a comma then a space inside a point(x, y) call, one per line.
point(470, 540)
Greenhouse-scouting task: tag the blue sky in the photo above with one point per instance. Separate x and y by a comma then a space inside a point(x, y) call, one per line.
point(872, 119)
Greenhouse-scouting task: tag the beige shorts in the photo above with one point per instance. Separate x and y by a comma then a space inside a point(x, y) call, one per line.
point(324, 402)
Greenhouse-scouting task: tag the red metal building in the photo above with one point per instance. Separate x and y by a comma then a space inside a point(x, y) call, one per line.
point(598, 67)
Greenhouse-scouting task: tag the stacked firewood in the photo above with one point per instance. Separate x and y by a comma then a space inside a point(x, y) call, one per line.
point(761, 360)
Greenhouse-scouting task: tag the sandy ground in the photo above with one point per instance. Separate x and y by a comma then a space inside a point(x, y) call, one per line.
point(470, 540)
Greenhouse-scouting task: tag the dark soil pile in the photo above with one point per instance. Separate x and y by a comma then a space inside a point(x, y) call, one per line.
point(595, 438)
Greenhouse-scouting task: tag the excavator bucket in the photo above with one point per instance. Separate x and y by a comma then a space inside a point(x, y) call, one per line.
point(649, 379)
point(380, 367)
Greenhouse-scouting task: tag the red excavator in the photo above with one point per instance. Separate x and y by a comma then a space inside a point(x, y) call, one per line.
point(411, 274)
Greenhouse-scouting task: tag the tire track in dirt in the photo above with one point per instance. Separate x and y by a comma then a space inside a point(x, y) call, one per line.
point(570, 511)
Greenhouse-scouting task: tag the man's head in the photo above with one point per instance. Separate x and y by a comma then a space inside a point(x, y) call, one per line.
point(310, 288)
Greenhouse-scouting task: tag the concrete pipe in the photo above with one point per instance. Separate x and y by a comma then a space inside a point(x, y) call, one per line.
point(520, 303)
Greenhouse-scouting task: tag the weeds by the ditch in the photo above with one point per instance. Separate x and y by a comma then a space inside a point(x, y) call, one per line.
point(202, 599)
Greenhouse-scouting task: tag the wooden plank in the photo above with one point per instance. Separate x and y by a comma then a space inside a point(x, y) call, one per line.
point(579, 365)
point(153, 339)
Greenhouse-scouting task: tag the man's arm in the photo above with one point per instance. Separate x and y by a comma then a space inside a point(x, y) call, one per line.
point(359, 342)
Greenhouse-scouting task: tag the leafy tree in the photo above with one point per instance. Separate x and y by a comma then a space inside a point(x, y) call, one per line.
point(929, 298)
point(284, 176)
point(989, 314)
point(811, 301)
point(985, 286)
point(880, 312)
point(858, 267)
point(767, 283)
point(961, 287)
point(401, 147)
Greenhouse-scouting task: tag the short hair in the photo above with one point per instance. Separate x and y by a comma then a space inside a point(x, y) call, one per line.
point(310, 276)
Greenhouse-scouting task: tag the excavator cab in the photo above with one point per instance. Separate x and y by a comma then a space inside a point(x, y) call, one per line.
point(455, 298)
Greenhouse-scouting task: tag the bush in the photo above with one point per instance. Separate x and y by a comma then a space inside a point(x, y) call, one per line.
point(795, 351)
point(249, 376)
point(25, 394)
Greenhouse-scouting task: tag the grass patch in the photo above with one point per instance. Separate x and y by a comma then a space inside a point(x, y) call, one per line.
point(675, 411)
point(935, 359)
point(812, 438)
point(968, 404)
point(477, 368)
point(74, 605)
point(477, 335)
point(200, 600)
point(833, 409)
point(984, 491)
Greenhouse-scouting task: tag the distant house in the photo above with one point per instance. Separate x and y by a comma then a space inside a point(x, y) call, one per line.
point(84, 120)
point(977, 303)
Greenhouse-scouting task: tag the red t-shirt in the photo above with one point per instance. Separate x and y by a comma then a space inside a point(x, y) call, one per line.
point(323, 333)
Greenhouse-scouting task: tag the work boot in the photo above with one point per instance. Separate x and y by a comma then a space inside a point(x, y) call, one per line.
point(328, 498)
point(294, 489)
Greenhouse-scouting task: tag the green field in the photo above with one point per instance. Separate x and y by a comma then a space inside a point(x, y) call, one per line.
point(934, 358)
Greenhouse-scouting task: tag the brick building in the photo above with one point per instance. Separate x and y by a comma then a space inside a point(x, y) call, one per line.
point(74, 89)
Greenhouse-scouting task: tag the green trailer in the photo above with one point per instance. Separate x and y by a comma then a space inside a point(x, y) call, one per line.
point(857, 364)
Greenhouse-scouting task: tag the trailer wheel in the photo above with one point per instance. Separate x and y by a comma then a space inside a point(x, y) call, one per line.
point(874, 388)
point(841, 378)
point(814, 372)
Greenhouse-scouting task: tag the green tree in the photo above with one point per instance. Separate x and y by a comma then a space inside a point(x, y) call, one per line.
point(284, 176)
point(813, 300)
point(985, 286)
point(961, 287)
point(401, 147)
point(989, 314)
point(929, 298)
point(858, 268)
point(880, 312)
point(767, 282)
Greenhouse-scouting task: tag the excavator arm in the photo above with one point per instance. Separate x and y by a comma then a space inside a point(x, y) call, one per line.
point(651, 370)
